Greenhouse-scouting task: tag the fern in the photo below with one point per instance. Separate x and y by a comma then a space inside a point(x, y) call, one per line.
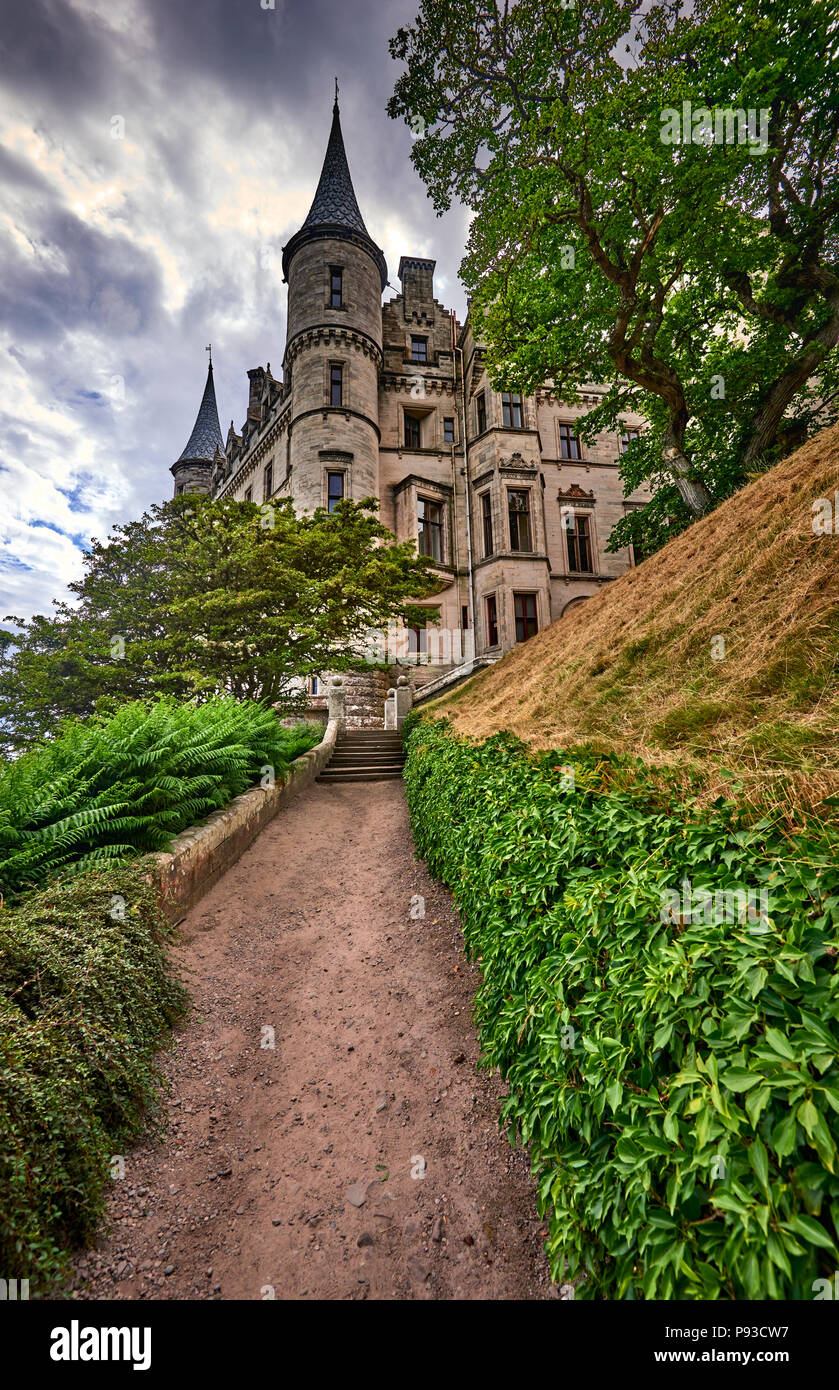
point(112, 786)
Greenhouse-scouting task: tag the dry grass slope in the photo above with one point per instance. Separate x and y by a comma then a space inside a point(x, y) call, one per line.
point(633, 669)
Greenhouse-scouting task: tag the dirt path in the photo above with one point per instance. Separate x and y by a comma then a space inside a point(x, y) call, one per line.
point(371, 1082)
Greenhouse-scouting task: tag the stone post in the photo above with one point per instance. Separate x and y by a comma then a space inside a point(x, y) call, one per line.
point(404, 700)
point(390, 710)
point(336, 700)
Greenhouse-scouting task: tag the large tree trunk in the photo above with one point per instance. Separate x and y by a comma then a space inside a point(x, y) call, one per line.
point(692, 491)
point(767, 418)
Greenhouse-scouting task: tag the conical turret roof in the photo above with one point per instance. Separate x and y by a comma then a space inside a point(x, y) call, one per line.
point(335, 211)
point(206, 434)
point(335, 201)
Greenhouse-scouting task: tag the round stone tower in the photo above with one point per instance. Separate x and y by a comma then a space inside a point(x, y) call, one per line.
point(336, 274)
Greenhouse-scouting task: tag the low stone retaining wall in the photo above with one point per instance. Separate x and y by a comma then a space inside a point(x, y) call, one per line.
point(199, 856)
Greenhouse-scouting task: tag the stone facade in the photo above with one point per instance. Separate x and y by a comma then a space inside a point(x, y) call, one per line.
point(375, 400)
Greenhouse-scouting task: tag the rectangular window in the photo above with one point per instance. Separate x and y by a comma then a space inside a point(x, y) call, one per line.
point(569, 444)
point(627, 438)
point(336, 287)
point(511, 411)
point(430, 528)
point(336, 384)
point(412, 432)
point(417, 640)
point(464, 616)
point(486, 523)
point(315, 686)
point(334, 490)
point(579, 545)
point(481, 409)
point(249, 494)
point(492, 622)
point(519, 508)
point(267, 482)
point(419, 349)
point(448, 429)
point(526, 623)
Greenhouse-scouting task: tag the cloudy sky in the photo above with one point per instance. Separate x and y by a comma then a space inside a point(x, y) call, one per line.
point(154, 157)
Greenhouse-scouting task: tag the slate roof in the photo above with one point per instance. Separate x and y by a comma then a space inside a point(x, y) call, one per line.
point(335, 200)
point(206, 434)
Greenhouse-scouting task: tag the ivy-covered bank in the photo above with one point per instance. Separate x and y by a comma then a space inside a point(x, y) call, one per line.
point(660, 992)
point(87, 994)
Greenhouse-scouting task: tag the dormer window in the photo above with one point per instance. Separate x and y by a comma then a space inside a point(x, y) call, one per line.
point(419, 349)
point(336, 287)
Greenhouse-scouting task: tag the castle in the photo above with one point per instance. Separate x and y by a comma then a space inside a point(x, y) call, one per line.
point(392, 401)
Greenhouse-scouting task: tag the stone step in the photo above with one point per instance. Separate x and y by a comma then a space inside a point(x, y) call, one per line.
point(374, 746)
point(374, 759)
point(362, 775)
point(361, 745)
point(370, 733)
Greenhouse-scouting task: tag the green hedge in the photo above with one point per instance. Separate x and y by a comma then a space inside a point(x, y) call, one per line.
point(117, 785)
point(674, 1073)
point(86, 995)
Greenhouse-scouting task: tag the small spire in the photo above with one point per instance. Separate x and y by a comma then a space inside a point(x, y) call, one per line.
point(335, 107)
point(206, 434)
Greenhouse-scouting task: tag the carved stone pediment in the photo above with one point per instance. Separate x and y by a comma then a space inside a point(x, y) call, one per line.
point(515, 463)
point(576, 494)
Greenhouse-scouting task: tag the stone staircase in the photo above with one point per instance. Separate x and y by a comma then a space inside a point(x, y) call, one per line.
point(365, 755)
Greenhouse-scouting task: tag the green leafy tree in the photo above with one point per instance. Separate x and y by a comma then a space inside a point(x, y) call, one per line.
point(696, 281)
point(199, 597)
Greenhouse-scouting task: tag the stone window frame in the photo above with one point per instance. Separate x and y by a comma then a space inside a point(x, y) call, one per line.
point(587, 511)
point(331, 270)
point(520, 485)
point(487, 515)
point(408, 493)
point(453, 419)
point(268, 480)
point(422, 414)
point(418, 338)
point(335, 461)
point(513, 400)
point(481, 426)
point(443, 525)
point(568, 458)
point(415, 420)
point(487, 599)
point(343, 363)
point(528, 592)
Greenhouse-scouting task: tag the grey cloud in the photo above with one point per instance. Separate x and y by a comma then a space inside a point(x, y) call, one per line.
point(147, 285)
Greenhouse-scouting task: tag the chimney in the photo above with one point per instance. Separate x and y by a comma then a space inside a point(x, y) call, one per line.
point(416, 275)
